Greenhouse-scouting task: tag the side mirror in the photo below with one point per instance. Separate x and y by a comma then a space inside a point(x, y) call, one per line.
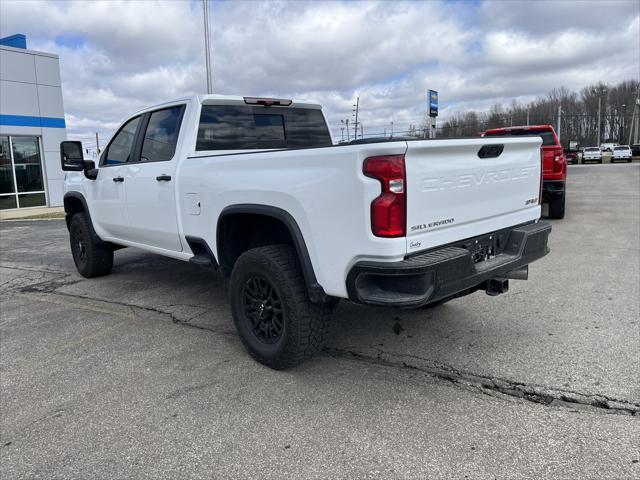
point(71, 157)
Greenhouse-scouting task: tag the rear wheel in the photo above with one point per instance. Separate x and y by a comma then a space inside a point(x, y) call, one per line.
point(277, 323)
point(556, 206)
point(92, 256)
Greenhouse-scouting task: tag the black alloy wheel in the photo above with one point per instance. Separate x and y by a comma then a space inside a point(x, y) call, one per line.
point(80, 246)
point(263, 309)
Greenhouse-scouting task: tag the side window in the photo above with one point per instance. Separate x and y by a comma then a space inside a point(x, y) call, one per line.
point(161, 136)
point(120, 148)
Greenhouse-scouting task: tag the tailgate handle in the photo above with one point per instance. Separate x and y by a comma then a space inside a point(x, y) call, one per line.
point(490, 151)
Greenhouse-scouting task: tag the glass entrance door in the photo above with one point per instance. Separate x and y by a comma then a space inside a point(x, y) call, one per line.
point(21, 179)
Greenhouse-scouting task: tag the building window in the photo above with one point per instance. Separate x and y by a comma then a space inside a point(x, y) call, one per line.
point(21, 178)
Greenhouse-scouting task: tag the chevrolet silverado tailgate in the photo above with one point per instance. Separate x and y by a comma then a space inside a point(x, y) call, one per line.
point(458, 189)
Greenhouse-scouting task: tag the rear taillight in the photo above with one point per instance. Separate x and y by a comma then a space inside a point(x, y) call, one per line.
point(558, 161)
point(389, 209)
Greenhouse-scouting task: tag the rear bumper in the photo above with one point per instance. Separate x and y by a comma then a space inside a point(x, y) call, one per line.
point(447, 271)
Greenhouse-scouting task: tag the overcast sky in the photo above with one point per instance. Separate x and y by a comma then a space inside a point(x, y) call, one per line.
point(117, 57)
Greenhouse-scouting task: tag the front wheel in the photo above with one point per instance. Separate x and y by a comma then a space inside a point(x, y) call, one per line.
point(92, 256)
point(277, 323)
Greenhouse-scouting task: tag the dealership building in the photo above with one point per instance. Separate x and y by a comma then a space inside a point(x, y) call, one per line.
point(31, 126)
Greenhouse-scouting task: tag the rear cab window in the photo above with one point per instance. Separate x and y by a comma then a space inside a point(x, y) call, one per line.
point(250, 127)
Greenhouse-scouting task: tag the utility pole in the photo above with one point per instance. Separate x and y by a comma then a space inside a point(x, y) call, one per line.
point(355, 127)
point(361, 130)
point(391, 128)
point(558, 125)
point(207, 49)
point(97, 144)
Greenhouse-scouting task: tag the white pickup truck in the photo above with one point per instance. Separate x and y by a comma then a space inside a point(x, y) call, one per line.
point(256, 187)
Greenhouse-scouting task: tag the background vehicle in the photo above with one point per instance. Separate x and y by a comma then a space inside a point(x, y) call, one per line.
point(592, 154)
point(254, 187)
point(635, 149)
point(621, 153)
point(554, 163)
point(572, 152)
point(607, 147)
point(572, 156)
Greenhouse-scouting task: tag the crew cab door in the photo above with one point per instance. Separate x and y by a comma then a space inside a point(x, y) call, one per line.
point(107, 191)
point(150, 181)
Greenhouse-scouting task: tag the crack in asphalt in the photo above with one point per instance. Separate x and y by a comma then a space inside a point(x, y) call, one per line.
point(52, 285)
point(494, 386)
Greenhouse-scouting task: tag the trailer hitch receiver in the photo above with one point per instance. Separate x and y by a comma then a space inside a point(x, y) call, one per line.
point(496, 286)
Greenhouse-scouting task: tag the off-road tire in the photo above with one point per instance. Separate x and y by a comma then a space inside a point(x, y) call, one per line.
point(303, 324)
point(556, 206)
point(92, 256)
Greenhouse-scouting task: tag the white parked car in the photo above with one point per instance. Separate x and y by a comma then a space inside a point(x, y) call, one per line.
point(592, 154)
point(256, 188)
point(621, 153)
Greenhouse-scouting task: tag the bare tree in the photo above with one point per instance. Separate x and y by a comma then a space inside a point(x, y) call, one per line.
point(579, 114)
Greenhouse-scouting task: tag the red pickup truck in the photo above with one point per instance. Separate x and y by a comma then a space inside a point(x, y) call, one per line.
point(554, 163)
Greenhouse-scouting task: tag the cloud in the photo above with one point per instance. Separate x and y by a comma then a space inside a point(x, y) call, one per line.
point(117, 57)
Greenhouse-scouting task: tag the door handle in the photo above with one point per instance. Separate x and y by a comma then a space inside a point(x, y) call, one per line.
point(118, 179)
point(163, 178)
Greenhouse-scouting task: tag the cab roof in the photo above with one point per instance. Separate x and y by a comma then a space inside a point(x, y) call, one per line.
point(215, 99)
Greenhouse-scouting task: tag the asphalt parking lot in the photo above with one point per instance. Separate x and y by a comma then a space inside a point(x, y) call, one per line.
point(141, 374)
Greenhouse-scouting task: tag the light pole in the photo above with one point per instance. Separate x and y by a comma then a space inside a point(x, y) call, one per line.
point(624, 114)
point(207, 50)
point(635, 120)
point(346, 123)
point(601, 92)
point(392, 128)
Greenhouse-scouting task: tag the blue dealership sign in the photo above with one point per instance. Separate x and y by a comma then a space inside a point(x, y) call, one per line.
point(433, 103)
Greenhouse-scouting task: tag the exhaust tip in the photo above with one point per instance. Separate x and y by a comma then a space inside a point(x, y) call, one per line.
point(521, 273)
